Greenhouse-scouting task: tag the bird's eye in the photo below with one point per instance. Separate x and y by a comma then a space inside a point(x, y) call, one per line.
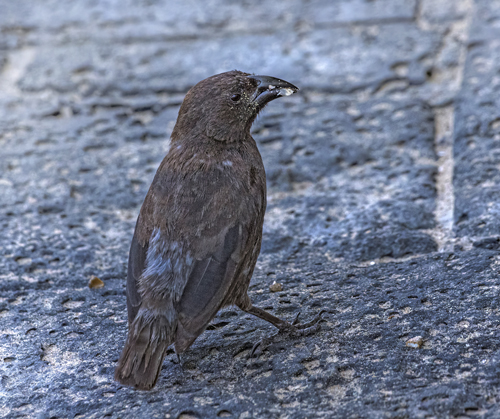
point(235, 98)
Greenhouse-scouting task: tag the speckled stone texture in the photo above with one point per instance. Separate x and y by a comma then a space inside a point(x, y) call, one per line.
point(384, 205)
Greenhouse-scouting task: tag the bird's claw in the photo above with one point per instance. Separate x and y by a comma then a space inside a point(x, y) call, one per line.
point(261, 343)
point(294, 329)
point(310, 324)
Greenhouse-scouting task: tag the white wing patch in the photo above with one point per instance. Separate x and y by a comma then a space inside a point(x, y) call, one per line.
point(167, 267)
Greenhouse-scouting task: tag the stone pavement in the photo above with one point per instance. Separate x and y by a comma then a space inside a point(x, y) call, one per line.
point(384, 204)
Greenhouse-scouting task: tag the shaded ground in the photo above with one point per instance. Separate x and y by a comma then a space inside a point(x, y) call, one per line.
point(384, 204)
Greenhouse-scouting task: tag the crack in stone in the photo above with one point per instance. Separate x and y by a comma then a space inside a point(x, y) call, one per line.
point(444, 119)
point(445, 199)
point(17, 63)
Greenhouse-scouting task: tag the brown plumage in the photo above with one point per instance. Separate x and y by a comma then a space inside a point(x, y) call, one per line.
point(199, 231)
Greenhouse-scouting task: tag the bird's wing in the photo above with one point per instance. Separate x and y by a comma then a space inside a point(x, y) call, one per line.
point(207, 286)
point(136, 266)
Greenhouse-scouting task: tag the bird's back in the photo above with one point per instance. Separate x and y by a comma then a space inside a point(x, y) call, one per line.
point(203, 214)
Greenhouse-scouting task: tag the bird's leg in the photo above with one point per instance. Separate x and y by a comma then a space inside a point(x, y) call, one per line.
point(293, 329)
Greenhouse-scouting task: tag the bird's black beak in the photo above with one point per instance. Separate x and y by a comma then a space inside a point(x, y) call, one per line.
point(270, 88)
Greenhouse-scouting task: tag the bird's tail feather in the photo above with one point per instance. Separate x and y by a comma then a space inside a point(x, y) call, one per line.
point(150, 334)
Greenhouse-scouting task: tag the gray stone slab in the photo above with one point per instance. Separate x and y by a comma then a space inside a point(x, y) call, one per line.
point(357, 177)
point(444, 11)
point(94, 68)
point(343, 11)
point(477, 130)
point(193, 15)
point(188, 18)
point(135, 21)
point(338, 59)
point(90, 93)
point(59, 347)
point(486, 21)
point(344, 59)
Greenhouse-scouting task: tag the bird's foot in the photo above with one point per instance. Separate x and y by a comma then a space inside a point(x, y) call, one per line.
point(289, 330)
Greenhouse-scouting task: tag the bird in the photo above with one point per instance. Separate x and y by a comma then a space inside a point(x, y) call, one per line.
point(199, 230)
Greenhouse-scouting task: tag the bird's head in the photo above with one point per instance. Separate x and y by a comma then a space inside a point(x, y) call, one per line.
point(223, 107)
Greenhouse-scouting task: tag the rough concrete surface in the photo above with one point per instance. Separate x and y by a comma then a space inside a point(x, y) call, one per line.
point(384, 204)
